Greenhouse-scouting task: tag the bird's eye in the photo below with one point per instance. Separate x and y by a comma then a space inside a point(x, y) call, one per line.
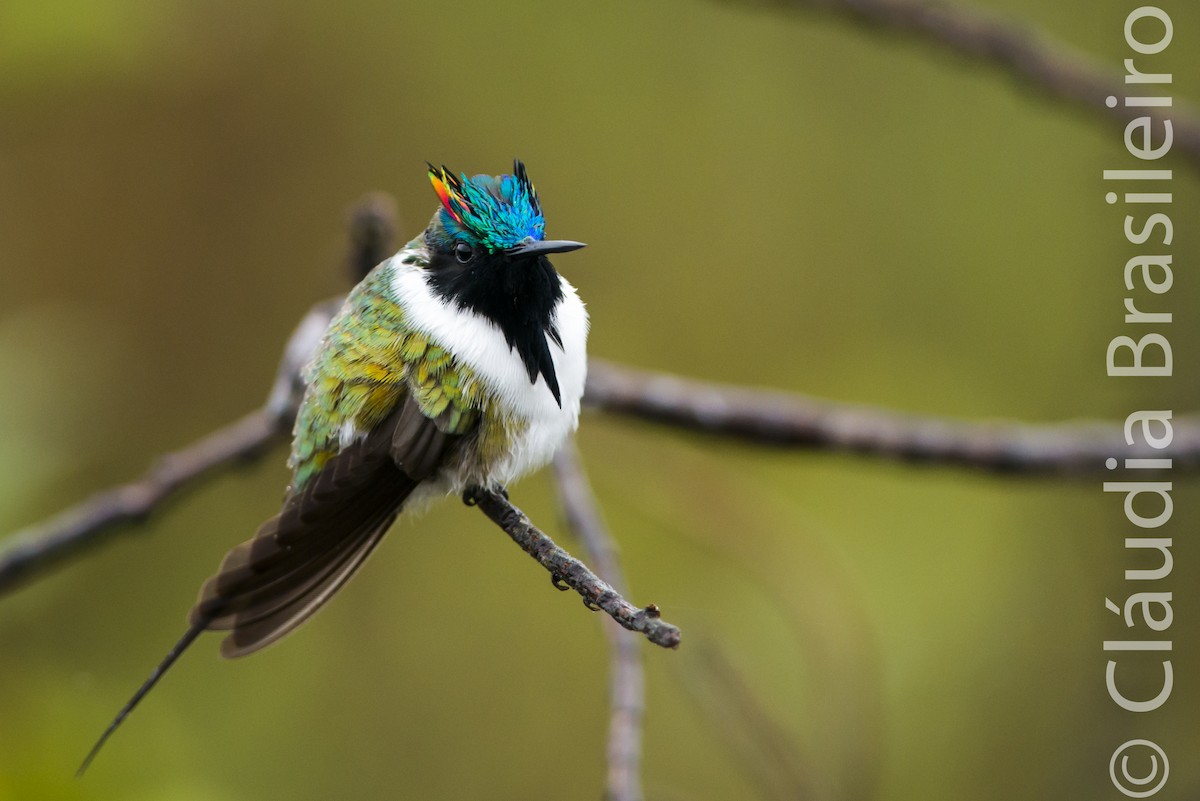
point(463, 252)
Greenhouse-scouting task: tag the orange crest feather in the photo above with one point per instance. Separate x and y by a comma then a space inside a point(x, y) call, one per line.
point(448, 191)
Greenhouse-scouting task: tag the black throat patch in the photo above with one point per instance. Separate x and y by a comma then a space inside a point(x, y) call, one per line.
point(517, 294)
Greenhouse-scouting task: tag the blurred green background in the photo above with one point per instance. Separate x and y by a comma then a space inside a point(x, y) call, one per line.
point(773, 199)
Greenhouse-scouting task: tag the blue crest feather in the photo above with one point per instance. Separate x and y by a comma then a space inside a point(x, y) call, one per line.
point(495, 213)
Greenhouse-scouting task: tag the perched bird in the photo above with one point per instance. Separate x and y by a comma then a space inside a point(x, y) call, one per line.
point(459, 361)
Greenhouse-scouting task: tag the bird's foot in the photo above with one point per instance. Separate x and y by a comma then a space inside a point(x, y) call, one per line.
point(470, 495)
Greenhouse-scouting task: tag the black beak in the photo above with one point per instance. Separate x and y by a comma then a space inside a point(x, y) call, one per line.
point(542, 247)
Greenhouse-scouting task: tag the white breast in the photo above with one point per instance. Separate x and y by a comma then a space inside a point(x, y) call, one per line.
point(479, 344)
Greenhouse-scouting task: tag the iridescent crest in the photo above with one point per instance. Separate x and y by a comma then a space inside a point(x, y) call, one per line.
point(491, 212)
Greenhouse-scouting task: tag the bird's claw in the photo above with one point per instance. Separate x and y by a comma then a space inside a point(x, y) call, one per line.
point(471, 494)
point(559, 584)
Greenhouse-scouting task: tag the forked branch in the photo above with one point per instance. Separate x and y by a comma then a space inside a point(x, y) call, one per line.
point(567, 572)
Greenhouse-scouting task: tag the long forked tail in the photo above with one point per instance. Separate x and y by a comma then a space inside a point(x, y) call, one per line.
point(187, 639)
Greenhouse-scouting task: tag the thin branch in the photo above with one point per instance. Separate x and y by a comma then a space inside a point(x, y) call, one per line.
point(1027, 54)
point(95, 520)
point(627, 685)
point(794, 421)
point(758, 417)
point(567, 572)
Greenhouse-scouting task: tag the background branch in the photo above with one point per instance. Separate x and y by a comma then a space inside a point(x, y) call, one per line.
point(1029, 55)
point(95, 520)
point(758, 417)
point(627, 685)
point(787, 420)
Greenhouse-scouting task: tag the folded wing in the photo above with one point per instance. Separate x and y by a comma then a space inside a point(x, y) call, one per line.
point(297, 560)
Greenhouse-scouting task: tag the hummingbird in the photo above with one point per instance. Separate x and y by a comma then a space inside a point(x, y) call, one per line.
point(459, 361)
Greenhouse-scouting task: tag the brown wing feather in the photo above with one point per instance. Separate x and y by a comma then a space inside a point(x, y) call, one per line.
point(298, 559)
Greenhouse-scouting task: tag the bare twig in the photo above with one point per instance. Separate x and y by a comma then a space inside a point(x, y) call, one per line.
point(96, 519)
point(1024, 52)
point(755, 416)
point(626, 681)
point(567, 572)
point(795, 421)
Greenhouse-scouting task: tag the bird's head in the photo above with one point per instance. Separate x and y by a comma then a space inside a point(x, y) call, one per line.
point(488, 220)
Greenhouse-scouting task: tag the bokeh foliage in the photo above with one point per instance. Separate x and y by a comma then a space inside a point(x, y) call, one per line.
point(774, 199)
